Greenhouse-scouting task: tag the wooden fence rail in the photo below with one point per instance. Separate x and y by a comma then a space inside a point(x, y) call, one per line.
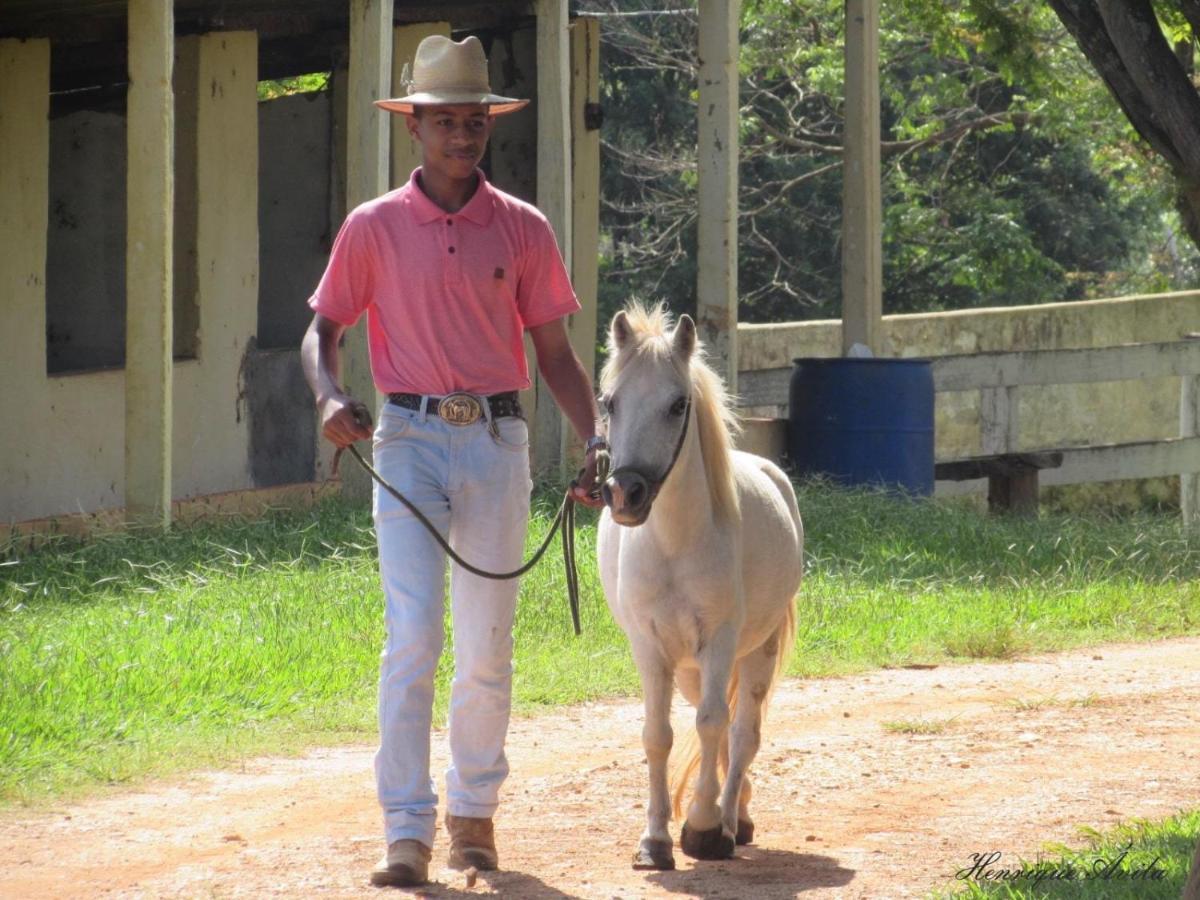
point(999, 376)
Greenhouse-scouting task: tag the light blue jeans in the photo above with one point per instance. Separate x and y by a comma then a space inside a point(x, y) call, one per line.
point(474, 486)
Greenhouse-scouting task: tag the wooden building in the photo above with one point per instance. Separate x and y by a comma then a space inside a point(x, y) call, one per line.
point(163, 228)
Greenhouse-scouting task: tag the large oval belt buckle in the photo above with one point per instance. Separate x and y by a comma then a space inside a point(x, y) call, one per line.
point(460, 409)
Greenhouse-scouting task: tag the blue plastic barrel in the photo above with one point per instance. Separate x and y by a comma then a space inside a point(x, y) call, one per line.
point(863, 421)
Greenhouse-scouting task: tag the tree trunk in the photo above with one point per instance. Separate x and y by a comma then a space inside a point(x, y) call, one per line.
point(1191, 890)
point(1125, 44)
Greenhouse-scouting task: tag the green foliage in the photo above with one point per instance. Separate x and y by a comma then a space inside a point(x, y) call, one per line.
point(1010, 176)
point(300, 84)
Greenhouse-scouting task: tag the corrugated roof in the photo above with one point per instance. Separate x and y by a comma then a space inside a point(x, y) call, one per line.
point(87, 21)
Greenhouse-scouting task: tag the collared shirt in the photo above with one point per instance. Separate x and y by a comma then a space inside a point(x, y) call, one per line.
point(448, 296)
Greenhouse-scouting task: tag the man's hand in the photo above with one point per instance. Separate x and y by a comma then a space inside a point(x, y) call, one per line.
point(581, 492)
point(344, 420)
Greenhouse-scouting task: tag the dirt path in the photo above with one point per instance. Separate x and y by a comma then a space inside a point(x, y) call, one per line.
point(844, 808)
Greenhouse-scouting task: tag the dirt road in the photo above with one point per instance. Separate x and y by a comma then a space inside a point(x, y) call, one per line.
point(844, 806)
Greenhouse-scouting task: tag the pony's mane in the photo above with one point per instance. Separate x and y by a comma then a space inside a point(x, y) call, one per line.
point(712, 407)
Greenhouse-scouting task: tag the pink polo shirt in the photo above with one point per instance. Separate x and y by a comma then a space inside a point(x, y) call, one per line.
point(448, 296)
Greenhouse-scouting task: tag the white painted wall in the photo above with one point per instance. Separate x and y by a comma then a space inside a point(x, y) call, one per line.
point(62, 439)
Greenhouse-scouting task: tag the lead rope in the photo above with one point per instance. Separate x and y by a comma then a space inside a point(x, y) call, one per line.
point(565, 518)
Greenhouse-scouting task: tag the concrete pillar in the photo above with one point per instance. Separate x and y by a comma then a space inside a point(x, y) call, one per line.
point(214, 436)
point(24, 191)
point(148, 258)
point(716, 163)
point(553, 192)
point(367, 165)
point(862, 206)
point(406, 153)
point(585, 198)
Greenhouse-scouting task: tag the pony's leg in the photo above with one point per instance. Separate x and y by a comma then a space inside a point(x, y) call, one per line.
point(704, 836)
point(745, 825)
point(654, 848)
point(755, 672)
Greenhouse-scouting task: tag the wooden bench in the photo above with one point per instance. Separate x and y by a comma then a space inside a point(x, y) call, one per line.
point(1012, 477)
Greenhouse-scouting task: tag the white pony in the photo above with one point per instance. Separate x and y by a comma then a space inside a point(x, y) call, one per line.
point(700, 550)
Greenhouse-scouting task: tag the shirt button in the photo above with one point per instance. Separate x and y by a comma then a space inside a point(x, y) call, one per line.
point(449, 221)
point(451, 249)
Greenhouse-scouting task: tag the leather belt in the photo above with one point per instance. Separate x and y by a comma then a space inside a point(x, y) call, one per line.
point(463, 408)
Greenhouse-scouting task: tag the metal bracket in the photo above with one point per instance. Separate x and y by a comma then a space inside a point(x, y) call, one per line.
point(593, 116)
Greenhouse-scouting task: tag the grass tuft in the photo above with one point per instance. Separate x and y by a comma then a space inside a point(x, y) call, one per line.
point(1136, 860)
point(917, 726)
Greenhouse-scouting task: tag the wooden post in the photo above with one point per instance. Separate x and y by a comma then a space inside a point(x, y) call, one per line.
point(585, 200)
point(998, 419)
point(225, 135)
point(862, 206)
point(148, 264)
point(553, 191)
point(366, 178)
point(716, 164)
point(24, 216)
point(406, 153)
point(1189, 426)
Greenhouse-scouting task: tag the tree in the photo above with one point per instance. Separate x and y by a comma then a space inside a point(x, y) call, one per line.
point(1009, 175)
point(1152, 81)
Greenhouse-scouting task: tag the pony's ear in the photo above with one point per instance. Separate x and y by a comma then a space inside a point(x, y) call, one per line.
point(683, 340)
point(620, 332)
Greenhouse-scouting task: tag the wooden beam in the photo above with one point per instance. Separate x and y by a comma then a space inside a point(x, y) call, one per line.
point(24, 216)
point(1117, 462)
point(367, 165)
point(1008, 369)
point(717, 163)
point(406, 153)
point(1130, 362)
point(227, 256)
point(999, 420)
point(862, 205)
point(24, 188)
point(1189, 427)
point(148, 264)
point(585, 199)
point(553, 191)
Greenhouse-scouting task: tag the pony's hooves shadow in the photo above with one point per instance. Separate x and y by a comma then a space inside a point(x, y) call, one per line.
point(653, 856)
point(711, 844)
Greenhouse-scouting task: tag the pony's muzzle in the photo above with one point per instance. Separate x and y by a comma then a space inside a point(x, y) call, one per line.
point(628, 496)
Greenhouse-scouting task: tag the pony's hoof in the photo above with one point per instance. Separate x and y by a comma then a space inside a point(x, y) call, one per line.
point(711, 844)
point(655, 855)
point(745, 832)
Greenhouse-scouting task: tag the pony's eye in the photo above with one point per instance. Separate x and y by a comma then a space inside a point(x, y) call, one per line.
point(679, 406)
point(608, 404)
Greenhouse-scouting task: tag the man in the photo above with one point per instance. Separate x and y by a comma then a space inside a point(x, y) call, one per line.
point(451, 272)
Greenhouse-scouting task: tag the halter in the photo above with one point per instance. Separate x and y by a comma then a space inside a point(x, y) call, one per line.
point(656, 486)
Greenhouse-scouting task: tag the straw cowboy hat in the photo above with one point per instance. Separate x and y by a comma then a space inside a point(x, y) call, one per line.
point(446, 72)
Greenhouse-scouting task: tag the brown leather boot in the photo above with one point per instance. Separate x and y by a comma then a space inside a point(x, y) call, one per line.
point(472, 843)
point(405, 865)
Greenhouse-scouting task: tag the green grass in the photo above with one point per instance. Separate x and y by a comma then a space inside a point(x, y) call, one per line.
point(892, 582)
point(138, 655)
point(1138, 860)
point(917, 726)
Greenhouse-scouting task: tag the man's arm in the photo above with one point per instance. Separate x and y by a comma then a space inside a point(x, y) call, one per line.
point(572, 390)
point(343, 419)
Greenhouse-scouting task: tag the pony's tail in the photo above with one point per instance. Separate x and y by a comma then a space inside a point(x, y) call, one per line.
point(683, 774)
